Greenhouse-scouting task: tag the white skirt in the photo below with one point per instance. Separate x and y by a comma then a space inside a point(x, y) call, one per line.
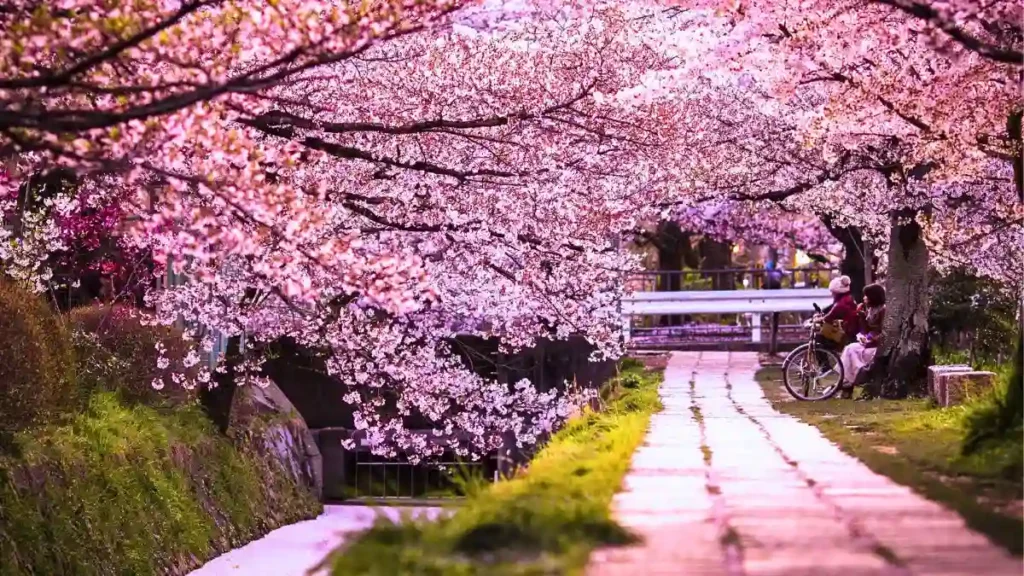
point(855, 356)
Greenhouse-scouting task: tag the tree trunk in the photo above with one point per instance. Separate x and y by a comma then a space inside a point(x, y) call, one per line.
point(905, 349)
point(717, 255)
point(217, 400)
point(674, 253)
point(856, 260)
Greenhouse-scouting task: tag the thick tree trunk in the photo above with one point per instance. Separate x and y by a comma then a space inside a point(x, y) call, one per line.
point(905, 349)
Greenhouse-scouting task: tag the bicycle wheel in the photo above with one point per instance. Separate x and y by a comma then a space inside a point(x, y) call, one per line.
point(810, 376)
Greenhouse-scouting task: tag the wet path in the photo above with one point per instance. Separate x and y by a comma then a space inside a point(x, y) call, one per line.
point(725, 485)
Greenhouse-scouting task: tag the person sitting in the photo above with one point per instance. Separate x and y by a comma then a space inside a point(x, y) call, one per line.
point(843, 308)
point(842, 311)
point(871, 315)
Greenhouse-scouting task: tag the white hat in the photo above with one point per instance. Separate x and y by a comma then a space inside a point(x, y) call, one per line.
point(840, 285)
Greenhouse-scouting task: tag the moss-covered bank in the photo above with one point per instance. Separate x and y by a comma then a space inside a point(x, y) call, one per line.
point(135, 490)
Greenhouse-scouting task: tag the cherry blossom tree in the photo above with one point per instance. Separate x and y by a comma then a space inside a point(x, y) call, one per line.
point(445, 182)
point(761, 224)
point(861, 110)
point(371, 181)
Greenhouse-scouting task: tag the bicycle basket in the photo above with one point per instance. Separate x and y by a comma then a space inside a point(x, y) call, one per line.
point(833, 331)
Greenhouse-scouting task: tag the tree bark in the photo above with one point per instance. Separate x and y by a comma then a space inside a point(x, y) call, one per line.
point(717, 255)
point(674, 253)
point(217, 400)
point(856, 259)
point(905, 349)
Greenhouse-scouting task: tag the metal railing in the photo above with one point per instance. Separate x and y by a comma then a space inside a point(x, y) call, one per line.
point(789, 332)
point(353, 473)
point(376, 478)
point(728, 279)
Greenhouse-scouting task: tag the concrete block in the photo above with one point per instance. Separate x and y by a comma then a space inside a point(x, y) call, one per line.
point(935, 390)
point(959, 387)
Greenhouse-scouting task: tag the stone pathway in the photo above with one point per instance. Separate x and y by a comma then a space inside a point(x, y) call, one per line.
point(725, 485)
point(295, 549)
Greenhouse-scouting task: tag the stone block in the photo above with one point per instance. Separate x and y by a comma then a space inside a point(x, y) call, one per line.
point(959, 387)
point(267, 418)
point(935, 390)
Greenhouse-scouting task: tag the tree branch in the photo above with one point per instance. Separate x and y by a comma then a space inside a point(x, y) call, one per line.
point(985, 49)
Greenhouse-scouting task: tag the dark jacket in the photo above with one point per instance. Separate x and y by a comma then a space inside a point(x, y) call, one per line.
point(844, 308)
point(772, 276)
point(872, 322)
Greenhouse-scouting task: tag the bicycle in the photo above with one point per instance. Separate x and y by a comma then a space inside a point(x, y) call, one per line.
point(809, 367)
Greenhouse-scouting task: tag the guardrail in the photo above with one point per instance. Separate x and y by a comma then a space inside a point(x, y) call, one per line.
point(725, 301)
point(728, 279)
point(748, 305)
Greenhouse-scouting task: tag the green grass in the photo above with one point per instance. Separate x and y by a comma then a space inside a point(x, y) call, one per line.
point(545, 520)
point(920, 446)
point(133, 490)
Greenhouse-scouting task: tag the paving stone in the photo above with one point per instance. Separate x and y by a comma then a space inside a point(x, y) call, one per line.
point(809, 561)
point(782, 519)
point(772, 530)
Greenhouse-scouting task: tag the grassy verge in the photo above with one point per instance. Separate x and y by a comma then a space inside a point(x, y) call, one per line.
point(919, 446)
point(134, 490)
point(546, 520)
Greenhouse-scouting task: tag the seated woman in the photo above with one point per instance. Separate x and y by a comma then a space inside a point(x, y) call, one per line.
point(842, 310)
point(843, 307)
point(872, 319)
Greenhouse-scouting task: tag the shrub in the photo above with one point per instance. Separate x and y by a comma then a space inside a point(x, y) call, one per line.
point(972, 319)
point(37, 362)
point(631, 380)
point(999, 419)
point(120, 352)
point(630, 364)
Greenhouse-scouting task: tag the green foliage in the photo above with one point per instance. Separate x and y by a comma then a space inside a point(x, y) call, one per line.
point(971, 319)
point(37, 362)
point(997, 420)
point(546, 520)
point(631, 381)
point(119, 352)
point(630, 364)
point(125, 490)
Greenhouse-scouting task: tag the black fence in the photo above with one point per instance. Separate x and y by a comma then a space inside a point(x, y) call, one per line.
point(356, 474)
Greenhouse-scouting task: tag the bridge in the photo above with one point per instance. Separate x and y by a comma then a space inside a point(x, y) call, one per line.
point(680, 310)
